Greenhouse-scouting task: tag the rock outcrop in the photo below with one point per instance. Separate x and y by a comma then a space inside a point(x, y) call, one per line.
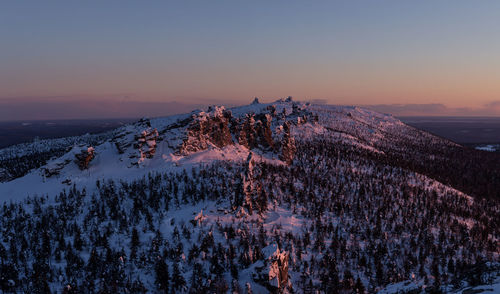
point(146, 143)
point(288, 147)
point(278, 270)
point(219, 128)
point(53, 170)
point(207, 128)
point(264, 135)
point(255, 131)
point(145, 121)
point(84, 157)
point(273, 272)
point(251, 186)
point(246, 136)
point(120, 142)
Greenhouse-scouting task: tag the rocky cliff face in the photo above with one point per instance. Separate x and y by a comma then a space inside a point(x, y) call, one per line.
point(255, 132)
point(219, 128)
point(261, 128)
point(207, 128)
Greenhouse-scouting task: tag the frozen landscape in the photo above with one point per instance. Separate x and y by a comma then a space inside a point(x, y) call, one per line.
point(283, 197)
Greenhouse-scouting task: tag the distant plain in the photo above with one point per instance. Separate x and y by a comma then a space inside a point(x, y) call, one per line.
point(469, 131)
point(16, 132)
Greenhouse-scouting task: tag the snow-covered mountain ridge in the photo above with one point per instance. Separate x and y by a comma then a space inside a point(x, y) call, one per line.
point(285, 197)
point(200, 137)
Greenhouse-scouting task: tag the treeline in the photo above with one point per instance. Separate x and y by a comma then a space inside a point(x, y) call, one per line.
point(16, 167)
point(471, 171)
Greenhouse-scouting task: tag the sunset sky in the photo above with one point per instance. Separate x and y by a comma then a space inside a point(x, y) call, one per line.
point(426, 57)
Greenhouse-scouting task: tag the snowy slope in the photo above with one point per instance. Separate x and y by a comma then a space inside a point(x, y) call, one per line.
point(262, 198)
point(349, 125)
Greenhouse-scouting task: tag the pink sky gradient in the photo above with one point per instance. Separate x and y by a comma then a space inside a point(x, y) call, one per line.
point(92, 107)
point(201, 52)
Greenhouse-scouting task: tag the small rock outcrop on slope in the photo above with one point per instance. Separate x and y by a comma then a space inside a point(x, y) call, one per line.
point(84, 157)
point(278, 269)
point(54, 169)
point(252, 188)
point(146, 143)
point(274, 272)
point(120, 142)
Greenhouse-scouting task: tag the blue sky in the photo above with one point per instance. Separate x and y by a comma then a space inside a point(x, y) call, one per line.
point(345, 52)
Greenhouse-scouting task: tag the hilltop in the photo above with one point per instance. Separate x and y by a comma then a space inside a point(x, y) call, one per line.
point(269, 197)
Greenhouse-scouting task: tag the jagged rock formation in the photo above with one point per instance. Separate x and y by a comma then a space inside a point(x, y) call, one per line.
point(264, 135)
point(278, 270)
point(217, 127)
point(84, 157)
point(252, 188)
point(146, 143)
point(246, 136)
point(207, 128)
point(273, 273)
point(121, 144)
point(145, 121)
point(248, 188)
point(288, 147)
